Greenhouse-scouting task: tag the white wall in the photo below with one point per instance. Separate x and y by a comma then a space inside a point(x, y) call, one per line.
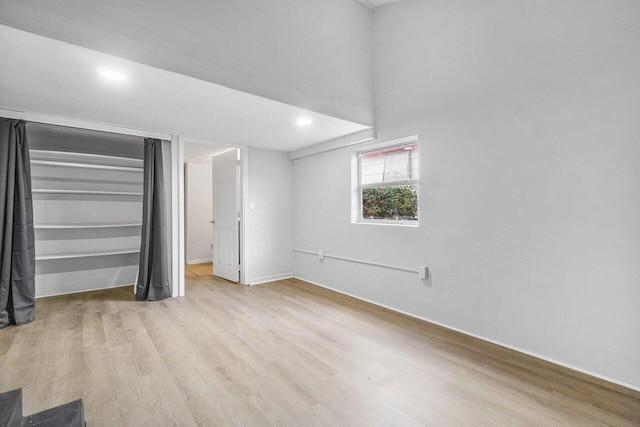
point(269, 226)
point(527, 114)
point(198, 206)
point(314, 54)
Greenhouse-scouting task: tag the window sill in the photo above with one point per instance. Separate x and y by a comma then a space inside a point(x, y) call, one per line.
point(389, 223)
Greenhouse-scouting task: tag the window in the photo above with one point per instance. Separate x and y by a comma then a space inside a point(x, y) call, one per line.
point(387, 189)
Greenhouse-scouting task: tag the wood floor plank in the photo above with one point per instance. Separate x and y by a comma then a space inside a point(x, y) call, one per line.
point(283, 353)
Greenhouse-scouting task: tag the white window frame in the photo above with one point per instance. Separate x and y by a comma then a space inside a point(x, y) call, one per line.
point(357, 187)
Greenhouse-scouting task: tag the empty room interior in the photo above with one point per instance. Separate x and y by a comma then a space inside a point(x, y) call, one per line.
point(320, 212)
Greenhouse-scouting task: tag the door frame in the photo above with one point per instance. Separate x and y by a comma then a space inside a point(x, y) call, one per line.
point(178, 224)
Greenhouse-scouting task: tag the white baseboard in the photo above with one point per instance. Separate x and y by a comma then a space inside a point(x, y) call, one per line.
point(272, 278)
point(82, 290)
point(510, 347)
point(199, 261)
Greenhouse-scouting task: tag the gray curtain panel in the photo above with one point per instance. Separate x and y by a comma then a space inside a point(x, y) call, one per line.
point(17, 254)
point(153, 276)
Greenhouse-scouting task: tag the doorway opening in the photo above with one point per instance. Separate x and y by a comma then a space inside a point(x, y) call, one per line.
point(214, 190)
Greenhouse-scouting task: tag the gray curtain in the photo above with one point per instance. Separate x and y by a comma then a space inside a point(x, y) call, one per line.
point(153, 275)
point(17, 254)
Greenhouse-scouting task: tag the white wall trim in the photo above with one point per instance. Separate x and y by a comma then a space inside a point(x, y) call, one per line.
point(73, 123)
point(199, 261)
point(177, 216)
point(510, 347)
point(334, 144)
point(209, 142)
point(271, 278)
point(244, 240)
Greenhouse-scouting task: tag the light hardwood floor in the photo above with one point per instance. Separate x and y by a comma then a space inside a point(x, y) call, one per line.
point(284, 353)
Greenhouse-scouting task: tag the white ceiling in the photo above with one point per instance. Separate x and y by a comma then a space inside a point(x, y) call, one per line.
point(314, 54)
point(46, 76)
point(372, 4)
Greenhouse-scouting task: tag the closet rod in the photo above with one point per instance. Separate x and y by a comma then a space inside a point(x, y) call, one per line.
point(87, 165)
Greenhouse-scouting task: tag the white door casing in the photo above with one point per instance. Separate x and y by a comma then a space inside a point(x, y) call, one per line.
point(226, 255)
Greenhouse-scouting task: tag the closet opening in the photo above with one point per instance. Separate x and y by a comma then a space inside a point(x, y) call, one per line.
point(214, 185)
point(87, 192)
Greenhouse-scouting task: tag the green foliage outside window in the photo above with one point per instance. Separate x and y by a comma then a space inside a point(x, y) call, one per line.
point(395, 203)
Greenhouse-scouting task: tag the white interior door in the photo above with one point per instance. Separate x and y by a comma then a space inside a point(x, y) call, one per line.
point(226, 241)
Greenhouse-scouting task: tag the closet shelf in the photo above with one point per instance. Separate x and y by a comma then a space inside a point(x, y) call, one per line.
point(70, 154)
point(79, 226)
point(88, 166)
point(86, 254)
point(87, 192)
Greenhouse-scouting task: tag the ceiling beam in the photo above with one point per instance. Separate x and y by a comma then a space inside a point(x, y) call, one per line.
point(334, 144)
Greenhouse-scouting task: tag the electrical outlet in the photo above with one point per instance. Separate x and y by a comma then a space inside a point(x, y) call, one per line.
point(254, 252)
point(423, 272)
point(321, 254)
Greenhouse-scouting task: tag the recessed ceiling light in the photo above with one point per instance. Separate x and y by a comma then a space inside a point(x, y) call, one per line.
point(110, 74)
point(304, 121)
